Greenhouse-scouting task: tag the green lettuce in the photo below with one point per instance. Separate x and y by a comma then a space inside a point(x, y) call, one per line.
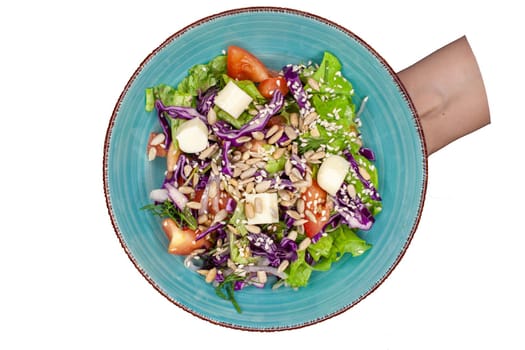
point(326, 251)
point(332, 100)
point(199, 79)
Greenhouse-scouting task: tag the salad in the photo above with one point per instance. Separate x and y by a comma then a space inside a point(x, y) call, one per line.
point(267, 177)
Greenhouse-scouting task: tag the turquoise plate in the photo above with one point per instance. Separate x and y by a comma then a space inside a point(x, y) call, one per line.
point(390, 126)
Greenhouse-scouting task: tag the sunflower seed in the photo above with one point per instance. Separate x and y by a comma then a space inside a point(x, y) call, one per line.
point(248, 173)
point(302, 184)
point(231, 264)
point(300, 222)
point(304, 244)
point(350, 189)
point(210, 276)
point(314, 132)
point(278, 284)
point(187, 170)
point(295, 175)
point(202, 219)
point(252, 161)
point(208, 151)
point(236, 172)
point(287, 204)
point(300, 205)
point(272, 131)
point(249, 210)
point(233, 182)
point(152, 153)
point(234, 192)
point(288, 167)
point(292, 235)
point(250, 186)
point(308, 154)
point(220, 216)
point(278, 153)
point(308, 176)
point(211, 116)
point(263, 186)
point(261, 276)
point(195, 179)
point(290, 132)
point(253, 228)
point(284, 194)
point(241, 165)
point(213, 190)
point(258, 135)
point(364, 173)
point(232, 229)
point(193, 205)
point(245, 155)
point(294, 119)
point(310, 118)
point(214, 168)
point(157, 139)
point(294, 215)
point(246, 181)
point(186, 189)
point(317, 155)
point(244, 139)
point(203, 272)
point(275, 137)
point(236, 156)
point(314, 84)
point(284, 264)
point(310, 216)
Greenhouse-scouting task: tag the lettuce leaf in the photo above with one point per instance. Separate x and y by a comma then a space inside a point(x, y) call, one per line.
point(299, 271)
point(203, 76)
point(332, 247)
point(326, 251)
point(199, 79)
point(332, 100)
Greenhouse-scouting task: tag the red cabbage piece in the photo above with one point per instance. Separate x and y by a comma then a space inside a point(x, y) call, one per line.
point(210, 229)
point(368, 184)
point(225, 132)
point(206, 101)
point(295, 85)
point(367, 153)
point(178, 112)
point(263, 245)
point(352, 211)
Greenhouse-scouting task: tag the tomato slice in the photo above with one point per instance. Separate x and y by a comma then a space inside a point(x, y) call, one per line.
point(242, 65)
point(269, 85)
point(315, 201)
point(182, 241)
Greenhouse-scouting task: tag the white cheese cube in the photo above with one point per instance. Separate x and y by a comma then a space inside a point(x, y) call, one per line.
point(233, 100)
point(332, 173)
point(192, 136)
point(269, 212)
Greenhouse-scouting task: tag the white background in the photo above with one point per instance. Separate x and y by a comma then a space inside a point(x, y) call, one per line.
point(67, 283)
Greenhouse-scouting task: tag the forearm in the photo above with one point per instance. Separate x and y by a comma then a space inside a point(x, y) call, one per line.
point(447, 90)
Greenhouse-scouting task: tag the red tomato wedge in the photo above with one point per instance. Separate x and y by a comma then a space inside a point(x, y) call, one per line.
point(315, 201)
point(269, 85)
point(242, 65)
point(182, 241)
